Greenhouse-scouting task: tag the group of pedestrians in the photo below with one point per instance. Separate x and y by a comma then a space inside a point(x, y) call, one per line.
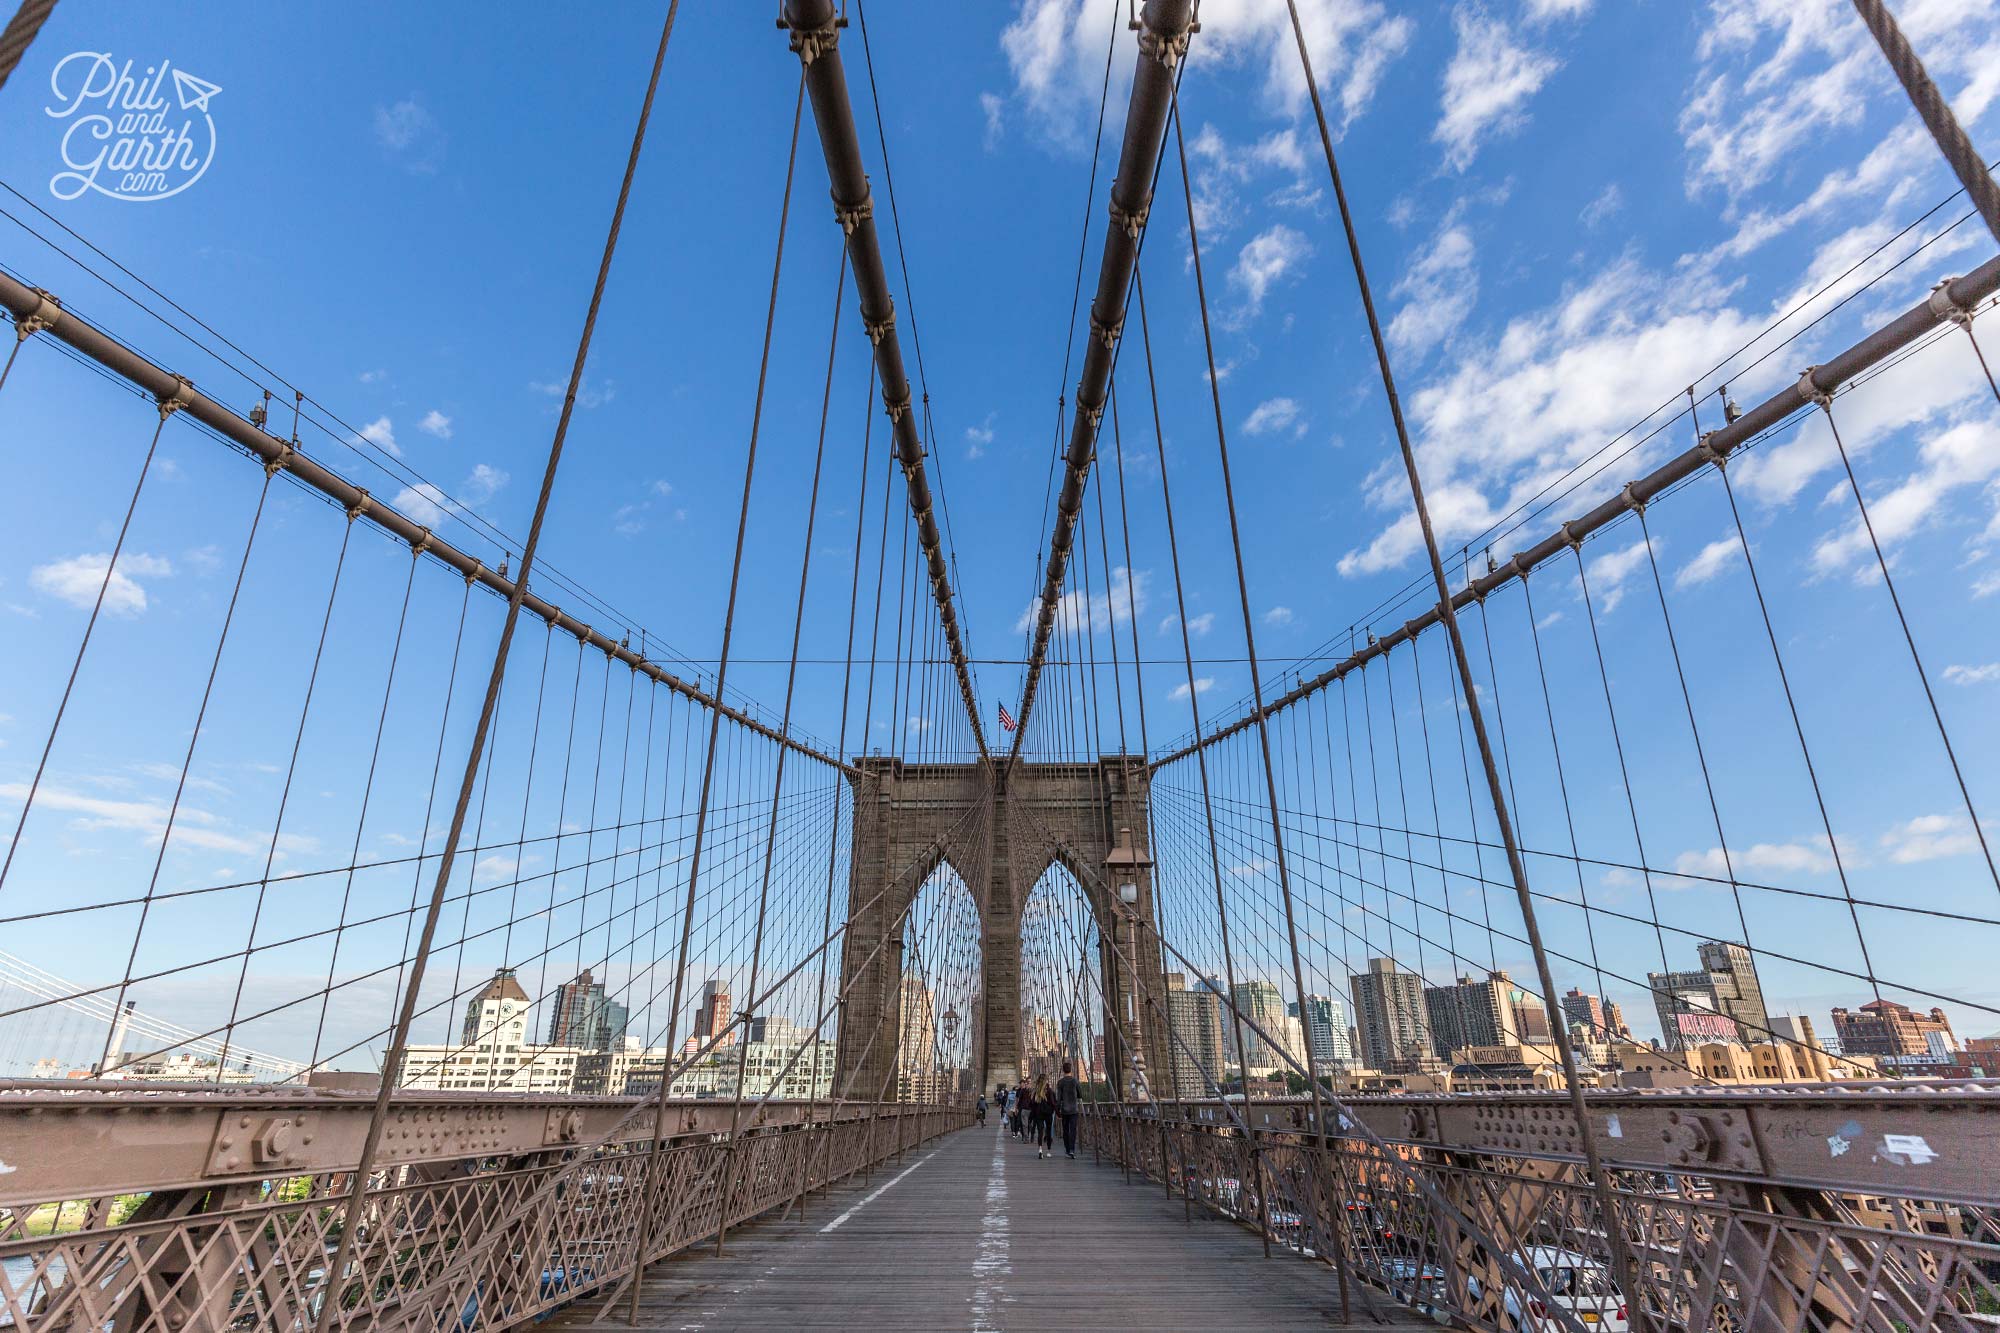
point(1031, 1111)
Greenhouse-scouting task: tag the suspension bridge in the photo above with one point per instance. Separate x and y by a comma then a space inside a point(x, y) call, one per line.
point(559, 981)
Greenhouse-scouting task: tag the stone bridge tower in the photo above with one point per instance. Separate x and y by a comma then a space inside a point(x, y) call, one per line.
point(1000, 827)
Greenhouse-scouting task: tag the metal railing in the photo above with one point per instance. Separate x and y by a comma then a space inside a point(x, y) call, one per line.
point(1738, 1211)
point(202, 1210)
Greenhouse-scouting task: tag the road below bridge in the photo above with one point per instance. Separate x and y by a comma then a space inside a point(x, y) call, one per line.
point(976, 1232)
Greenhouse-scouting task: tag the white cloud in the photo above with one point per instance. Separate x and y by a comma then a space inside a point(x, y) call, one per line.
point(1126, 596)
point(1986, 584)
point(77, 579)
point(1605, 206)
point(411, 136)
point(1972, 675)
point(1274, 415)
point(1964, 454)
point(1055, 51)
point(1202, 685)
point(1278, 615)
point(428, 506)
point(1486, 86)
point(1608, 573)
point(992, 104)
point(373, 376)
point(1930, 838)
point(1270, 257)
point(423, 504)
point(1256, 865)
point(978, 437)
point(193, 826)
point(1439, 290)
point(1541, 11)
point(381, 433)
point(915, 724)
point(436, 423)
point(1776, 75)
point(484, 483)
point(1809, 857)
point(1714, 559)
point(1197, 625)
point(588, 396)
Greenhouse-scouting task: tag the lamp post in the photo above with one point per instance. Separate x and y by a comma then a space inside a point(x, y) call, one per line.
point(1127, 868)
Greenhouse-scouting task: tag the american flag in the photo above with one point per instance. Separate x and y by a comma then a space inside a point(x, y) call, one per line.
point(1007, 722)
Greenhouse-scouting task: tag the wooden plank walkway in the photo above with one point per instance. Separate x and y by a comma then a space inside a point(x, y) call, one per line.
point(975, 1232)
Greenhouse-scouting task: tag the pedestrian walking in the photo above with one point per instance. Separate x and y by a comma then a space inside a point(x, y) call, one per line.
point(1019, 1117)
point(1044, 1108)
point(1069, 1104)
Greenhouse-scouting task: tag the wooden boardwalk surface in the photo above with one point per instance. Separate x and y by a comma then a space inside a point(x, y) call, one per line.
point(974, 1232)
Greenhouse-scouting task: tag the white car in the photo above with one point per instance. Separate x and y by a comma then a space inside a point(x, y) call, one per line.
point(1573, 1283)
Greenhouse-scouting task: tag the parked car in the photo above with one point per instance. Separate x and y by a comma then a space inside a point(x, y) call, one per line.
point(1571, 1282)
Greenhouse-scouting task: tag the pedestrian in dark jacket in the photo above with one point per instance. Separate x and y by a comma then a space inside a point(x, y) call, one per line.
point(1069, 1099)
point(1043, 1103)
point(1019, 1117)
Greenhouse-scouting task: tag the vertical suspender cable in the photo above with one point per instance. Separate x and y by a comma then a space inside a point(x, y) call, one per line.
point(357, 1193)
point(1620, 1252)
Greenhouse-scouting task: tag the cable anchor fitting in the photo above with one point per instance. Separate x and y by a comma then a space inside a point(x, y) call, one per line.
point(851, 217)
point(48, 309)
point(1131, 223)
point(1167, 48)
point(812, 43)
point(1632, 500)
point(1107, 334)
point(279, 461)
point(471, 575)
point(1946, 307)
point(1810, 391)
point(182, 395)
point(897, 407)
point(1707, 446)
point(363, 502)
point(878, 329)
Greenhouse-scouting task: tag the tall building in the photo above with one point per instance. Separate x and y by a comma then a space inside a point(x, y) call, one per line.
point(584, 1016)
point(1194, 1058)
point(1493, 1012)
point(715, 1013)
point(498, 1012)
point(916, 1042)
point(1733, 972)
point(1389, 1007)
point(1614, 1018)
point(1584, 1011)
point(1723, 1001)
point(1324, 1019)
point(1263, 1004)
point(1883, 1027)
point(1689, 1009)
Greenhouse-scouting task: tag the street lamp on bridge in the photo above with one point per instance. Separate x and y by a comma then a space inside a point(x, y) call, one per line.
point(1127, 867)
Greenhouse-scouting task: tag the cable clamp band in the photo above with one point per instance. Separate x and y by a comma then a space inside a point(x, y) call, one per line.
point(1707, 445)
point(471, 575)
point(1516, 567)
point(1106, 334)
point(182, 395)
point(812, 43)
point(877, 329)
point(422, 544)
point(1096, 415)
point(897, 407)
point(277, 462)
point(48, 309)
point(1569, 535)
point(1167, 48)
point(1810, 391)
point(1945, 307)
point(1632, 501)
point(1134, 222)
point(363, 502)
point(850, 218)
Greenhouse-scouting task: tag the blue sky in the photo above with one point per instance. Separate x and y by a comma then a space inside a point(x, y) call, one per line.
point(1572, 210)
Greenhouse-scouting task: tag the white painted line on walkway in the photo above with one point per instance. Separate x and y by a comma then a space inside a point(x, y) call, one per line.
point(879, 1192)
point(991, 1265)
